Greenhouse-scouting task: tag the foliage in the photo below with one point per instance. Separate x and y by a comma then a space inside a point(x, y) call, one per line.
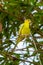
point(12, 14)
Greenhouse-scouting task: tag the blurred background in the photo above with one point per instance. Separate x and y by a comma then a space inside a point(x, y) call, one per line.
point(12, 14)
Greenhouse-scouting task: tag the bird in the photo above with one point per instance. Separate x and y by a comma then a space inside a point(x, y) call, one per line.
point(24, 31)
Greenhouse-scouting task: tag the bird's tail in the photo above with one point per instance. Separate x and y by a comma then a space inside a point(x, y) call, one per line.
point(19, 38)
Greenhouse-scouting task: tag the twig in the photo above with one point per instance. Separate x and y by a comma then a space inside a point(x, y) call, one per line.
point(14, 58)
point(36, 49)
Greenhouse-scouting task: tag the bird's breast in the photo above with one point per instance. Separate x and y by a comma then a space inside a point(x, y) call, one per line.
point(25, 31)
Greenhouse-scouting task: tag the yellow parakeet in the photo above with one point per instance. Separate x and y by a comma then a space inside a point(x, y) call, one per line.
point(24, 31)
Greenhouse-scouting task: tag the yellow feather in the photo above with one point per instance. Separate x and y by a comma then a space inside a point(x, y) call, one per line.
point(24, 31)
point(24, 28)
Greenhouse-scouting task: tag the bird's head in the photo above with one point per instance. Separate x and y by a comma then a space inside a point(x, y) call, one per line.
point(27, 21)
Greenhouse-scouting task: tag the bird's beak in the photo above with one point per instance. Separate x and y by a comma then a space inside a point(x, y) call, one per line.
point(29, 21)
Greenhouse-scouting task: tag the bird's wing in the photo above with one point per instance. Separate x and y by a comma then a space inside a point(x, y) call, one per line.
point(20, 28)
